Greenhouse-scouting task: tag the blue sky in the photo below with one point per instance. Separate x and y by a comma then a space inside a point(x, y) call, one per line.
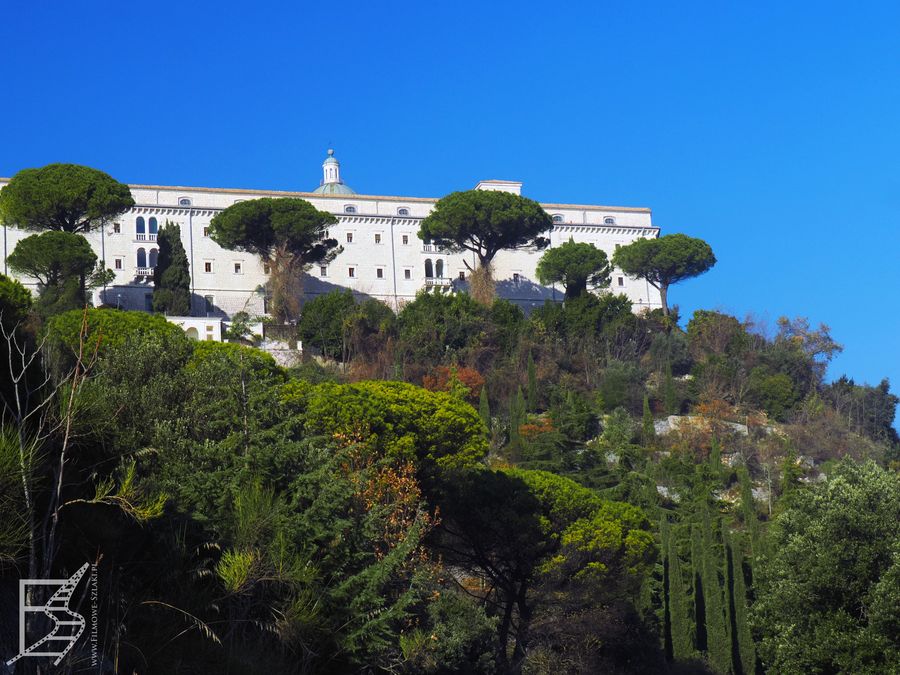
point(770, 129)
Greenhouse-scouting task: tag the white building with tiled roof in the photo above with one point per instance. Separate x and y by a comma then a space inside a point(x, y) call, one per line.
point(382, 256)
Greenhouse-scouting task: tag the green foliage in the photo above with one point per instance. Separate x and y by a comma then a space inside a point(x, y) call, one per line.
point(486, 222)
point(63, 197)
point(484, 408)
point(436, 326)
point(171, 278)
point(574, 265)
point(820, 597)
point(398, 419)
point(648, 430)
point(324, 322)
point(665, 261)
point(773, 392)
point(61, 262)
point(105, 329)
point(532, 399)
point(679, 608)
point(15, 302)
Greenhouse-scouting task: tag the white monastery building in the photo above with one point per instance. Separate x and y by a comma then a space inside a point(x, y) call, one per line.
point(382, 256)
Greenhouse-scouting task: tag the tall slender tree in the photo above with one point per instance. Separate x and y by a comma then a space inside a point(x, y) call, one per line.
point(172, 278)
point(679, 619)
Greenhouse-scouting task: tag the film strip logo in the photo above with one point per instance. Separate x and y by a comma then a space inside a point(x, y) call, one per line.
point(67, 625)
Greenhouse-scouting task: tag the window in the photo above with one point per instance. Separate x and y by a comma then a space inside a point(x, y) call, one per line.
point(462, 275)
point(184, 201)
point(429, 270)
point(557, 219)
point(154, 256)
point(139, 225)
point(439, 269)
point(117, 263)
point(266, 268)
point(402, 212)
point(238, 268)
point(207, 266)
point(377, 238)
point(323, 271)
point(407, 274)
point(516, 278)
point(379, 273)
point(154, 226)
point(349, 237)
point(210, 303)
point(405, 239)
point(205, 231)
point(609, 220)
point(117, 228)
point(621, 281)
point(349, 209)
point(141, 258)
point(351, 272)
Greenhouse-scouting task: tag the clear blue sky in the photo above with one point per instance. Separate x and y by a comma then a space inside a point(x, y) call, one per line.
point(770, 129)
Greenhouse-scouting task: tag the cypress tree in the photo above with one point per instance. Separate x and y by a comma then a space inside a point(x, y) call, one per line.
point(748, 511)
point(697, 585)
point(718, 646)
point(679, 620)
point(670, 392)
point(171, 278)
point(648, 431)
point(484, 408)
point(532, 385)
point(743, 638)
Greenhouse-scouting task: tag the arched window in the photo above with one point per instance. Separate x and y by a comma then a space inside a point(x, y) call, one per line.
point(439, 269)
point(609, 220)
point(192, 333)
point(557, 218)
point(184, 201)
point(349, 209)
point(402, 212)
point(154, 255)
point(153, 226)
point(429, 271)
point(139, 225)
point(141, 258)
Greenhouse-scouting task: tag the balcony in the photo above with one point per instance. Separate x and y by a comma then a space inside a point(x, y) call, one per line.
point(437, 281)
point(143, 271)
point(145, 237)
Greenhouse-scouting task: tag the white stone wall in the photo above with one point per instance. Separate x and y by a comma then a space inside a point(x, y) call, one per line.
point(234, 289)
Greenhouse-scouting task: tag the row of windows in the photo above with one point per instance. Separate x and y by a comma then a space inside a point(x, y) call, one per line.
point(608, 220)
point(350, 208)
point(437, 271)
point(404, 238)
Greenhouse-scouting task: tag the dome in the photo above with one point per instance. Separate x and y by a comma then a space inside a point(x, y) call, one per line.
point(334, 189)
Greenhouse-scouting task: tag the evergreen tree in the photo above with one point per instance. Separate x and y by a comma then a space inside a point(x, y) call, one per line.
point(670, 392)
point(697, 585)
point(532, 385)
point(171, 278)
point(748, 511)
point(484, 408)
point(743, 649)
point(648, 431)
point(679, 619)
point(718, 645)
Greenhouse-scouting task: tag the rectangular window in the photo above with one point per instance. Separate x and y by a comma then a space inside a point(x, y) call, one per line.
point(118, 263)
point(516, 278)
point(238, 268)
point(205, 231)
point(462, 275)
point(210, 303)
point(117, 228)
point(379, 273)
point(351, 272)
point(621, 281)
point(323, 271)
point(265, 268)
point(207, 266)
point(407, 274)
point(377, 238)
point(349, 237)
point(405, 239)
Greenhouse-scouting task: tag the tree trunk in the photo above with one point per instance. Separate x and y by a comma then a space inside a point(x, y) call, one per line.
point(664, 298)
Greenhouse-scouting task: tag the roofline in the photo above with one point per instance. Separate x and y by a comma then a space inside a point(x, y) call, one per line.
point(422, 200)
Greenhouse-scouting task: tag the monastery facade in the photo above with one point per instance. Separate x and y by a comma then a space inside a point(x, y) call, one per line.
point(383, 256)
